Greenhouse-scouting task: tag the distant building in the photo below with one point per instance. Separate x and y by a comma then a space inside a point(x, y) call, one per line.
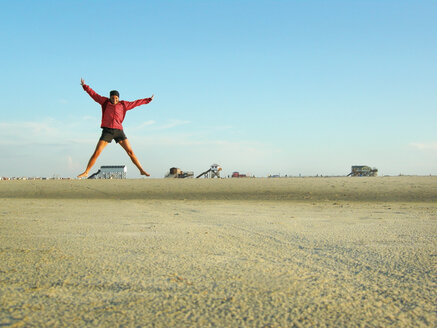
point(239, 175)
point(212, 172)
point(110, 172)
point(363, 171)
point(178, 173)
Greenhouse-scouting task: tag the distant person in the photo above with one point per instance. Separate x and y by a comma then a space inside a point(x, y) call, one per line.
point(113, 113)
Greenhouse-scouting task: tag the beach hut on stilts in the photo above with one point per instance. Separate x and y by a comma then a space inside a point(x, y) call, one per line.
point(212, 172)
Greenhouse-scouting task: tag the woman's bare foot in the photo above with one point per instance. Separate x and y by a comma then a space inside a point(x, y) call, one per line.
point(83, 175)
point(144, 173)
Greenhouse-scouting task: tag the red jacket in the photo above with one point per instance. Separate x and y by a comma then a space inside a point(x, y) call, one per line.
point(113, 115)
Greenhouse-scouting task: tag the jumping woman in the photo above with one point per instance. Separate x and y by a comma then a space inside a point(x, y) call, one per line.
point(113, 113)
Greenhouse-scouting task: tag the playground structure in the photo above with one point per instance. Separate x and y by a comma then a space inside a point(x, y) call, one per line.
point(213, 172)
point(177, 173)
point(110, 172)
point(363, 171)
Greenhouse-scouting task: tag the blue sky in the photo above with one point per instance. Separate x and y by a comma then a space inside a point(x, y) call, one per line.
point(260, 87)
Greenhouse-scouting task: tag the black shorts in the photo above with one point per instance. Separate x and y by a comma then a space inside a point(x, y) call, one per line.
point(109, 134)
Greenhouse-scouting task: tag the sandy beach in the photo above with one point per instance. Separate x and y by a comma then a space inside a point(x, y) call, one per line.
point(289, 252)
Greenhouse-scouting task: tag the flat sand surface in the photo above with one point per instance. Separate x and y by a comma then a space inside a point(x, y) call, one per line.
point(290, 252)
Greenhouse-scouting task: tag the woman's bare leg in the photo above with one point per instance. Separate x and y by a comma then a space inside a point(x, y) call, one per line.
point(100, 146)
point(126, 146)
